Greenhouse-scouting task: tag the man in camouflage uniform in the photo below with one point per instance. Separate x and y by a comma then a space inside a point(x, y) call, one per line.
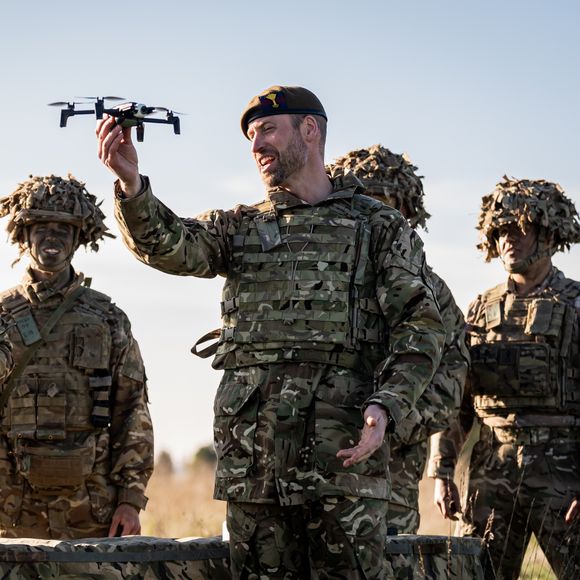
point(330, 332)
point(391, 178)
point(76, 441)
point(524, 388)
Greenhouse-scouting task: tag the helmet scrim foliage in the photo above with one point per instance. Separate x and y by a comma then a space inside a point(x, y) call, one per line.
point(388, 177)
point(525, 202)
point(54, 199)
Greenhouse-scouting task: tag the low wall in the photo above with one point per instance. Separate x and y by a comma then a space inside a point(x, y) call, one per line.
point(149, 558)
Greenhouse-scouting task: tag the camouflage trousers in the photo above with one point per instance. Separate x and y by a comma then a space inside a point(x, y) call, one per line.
point(406, 467)
point(335, 537)
point(55, 517)
point(516, 488)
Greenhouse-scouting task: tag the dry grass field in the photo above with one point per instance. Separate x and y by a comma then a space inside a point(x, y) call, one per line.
point(181, 505)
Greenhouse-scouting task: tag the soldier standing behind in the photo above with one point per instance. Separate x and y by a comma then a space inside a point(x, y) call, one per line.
point(76, 441)
point(330, 333)
point(523, 388)
point(391, 178)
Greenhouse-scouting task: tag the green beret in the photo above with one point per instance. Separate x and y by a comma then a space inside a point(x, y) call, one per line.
point(278, 100)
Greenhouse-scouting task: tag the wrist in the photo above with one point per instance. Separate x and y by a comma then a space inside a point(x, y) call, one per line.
point(131, 187)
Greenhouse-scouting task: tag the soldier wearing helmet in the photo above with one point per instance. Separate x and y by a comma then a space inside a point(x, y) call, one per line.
point(330, 332)
point(523, 388)
point(392, 179)
point(76, 438)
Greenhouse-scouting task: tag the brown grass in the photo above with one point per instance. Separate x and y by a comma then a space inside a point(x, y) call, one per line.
point(181, 505)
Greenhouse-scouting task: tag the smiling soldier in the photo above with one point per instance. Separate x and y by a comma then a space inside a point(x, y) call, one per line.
point(76, 441)
point(330, 332)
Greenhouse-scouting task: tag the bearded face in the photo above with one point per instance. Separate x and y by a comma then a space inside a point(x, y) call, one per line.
point(278, 149)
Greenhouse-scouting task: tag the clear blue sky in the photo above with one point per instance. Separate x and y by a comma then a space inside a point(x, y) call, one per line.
point(470, 90)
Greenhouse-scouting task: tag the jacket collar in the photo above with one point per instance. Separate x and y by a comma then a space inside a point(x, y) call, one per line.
point(343, 187)
point(59, 286)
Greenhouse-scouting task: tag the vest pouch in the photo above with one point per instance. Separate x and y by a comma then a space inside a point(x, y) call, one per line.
point(51, 468)
point(513, 370)
point(92, 347)
point(20, 420)
point(51, 408)
point(236, 416)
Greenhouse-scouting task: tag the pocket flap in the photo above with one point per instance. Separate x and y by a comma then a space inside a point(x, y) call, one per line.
point(231, 397)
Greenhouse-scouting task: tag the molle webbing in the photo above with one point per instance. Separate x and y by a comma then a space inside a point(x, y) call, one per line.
point(299, 283)
point(530, 358)
point(65, 305)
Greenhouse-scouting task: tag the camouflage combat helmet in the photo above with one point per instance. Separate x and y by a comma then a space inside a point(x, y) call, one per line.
point(524, 202)
point(55, 199)
point(388, 177)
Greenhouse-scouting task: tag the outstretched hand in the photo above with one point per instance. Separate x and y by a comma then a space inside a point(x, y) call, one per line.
point(125, 521)
point(117, 152)
point(446, 498)
point(372, 436)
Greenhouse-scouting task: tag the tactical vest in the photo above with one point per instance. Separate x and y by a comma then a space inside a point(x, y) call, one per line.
point(303, 288)
point(525, 353)
point(61, 399)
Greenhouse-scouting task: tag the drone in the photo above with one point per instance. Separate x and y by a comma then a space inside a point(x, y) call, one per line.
point(127, 114)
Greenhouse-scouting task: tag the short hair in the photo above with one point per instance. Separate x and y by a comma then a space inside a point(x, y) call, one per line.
point(320, 121)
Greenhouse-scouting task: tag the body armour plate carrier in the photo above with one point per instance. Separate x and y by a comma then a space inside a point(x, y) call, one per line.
point(61, 400)
point(527, 357)
point(301, 289)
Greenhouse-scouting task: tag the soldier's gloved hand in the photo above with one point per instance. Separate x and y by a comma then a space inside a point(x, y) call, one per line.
point(125, 521)
point(446, 498)
point(373, 434)
point(573, 511)
point(117, 152)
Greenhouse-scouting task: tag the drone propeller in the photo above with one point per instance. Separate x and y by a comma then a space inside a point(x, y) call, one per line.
point(108, 98)
point(167, 111)
point(65, 103)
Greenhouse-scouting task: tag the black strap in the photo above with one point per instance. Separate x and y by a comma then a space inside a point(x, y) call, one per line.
point(28, 354)
point(208, 350)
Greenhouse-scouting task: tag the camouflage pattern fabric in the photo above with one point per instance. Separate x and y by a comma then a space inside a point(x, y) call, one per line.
point(137, 558)
point(524, 470)
point(524, 202)
point(127, 558)
point(53, 198)
point(516, 489)
point(406, 467)
point(436, 409)
point(409, 557)
point(388, 177)
point(285, 406)
point(338, 537)
point(6, 361)
point(392, 179)
point(76, 436)
point(204, 248)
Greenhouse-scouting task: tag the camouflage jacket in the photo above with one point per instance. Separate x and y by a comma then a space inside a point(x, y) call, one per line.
point(78, 411)
point(525, 366)
point(438, 406)
point(387, 357)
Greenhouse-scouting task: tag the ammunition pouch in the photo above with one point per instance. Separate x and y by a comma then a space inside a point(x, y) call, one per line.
point(49, 468)
point(533, 368)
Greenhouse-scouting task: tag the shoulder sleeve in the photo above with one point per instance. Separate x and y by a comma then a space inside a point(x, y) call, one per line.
point(156, 236)
point(439, 404)
point(416, 333)
point(131, 429)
